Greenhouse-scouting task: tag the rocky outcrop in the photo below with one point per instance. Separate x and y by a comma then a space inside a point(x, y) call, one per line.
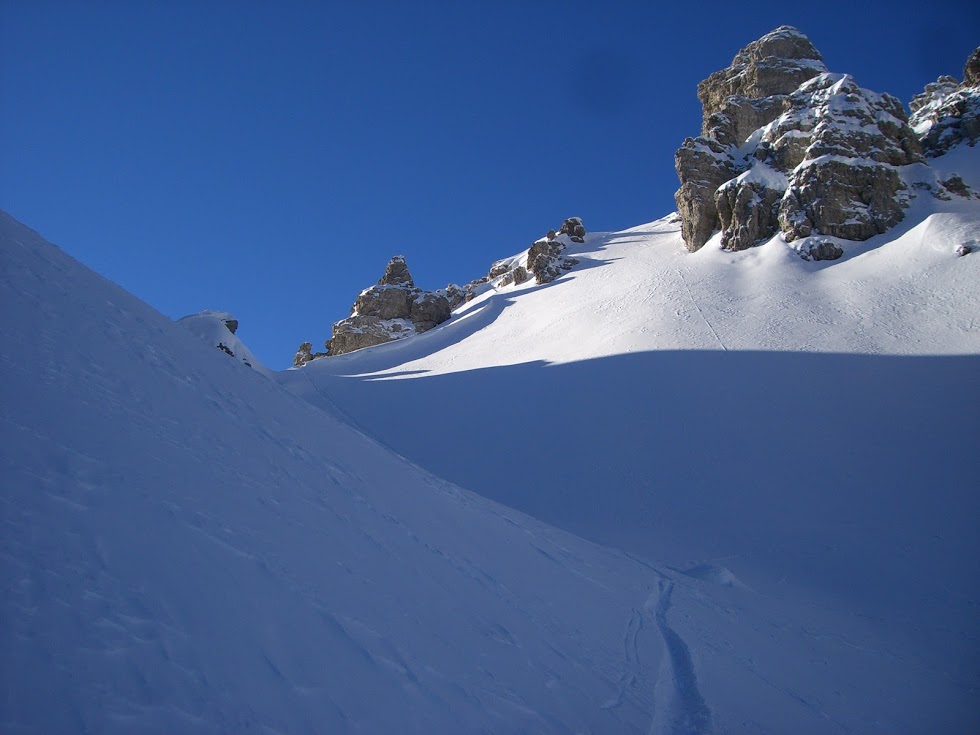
point(788, 147)
point(305, 354)
point(395, 308)
point(429, 309)
point(572, 227)
point(397, 273)
point(947, 113)
point(392, 309)
point(703, 164)
point(457, 294)
point(739, 100)
point(735, 103)
point(544, 261)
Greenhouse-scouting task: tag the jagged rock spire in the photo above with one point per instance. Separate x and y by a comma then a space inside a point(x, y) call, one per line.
point(396, 273)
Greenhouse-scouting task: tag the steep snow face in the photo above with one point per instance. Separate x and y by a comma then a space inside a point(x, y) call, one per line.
point(188, 548)
point(791, 426)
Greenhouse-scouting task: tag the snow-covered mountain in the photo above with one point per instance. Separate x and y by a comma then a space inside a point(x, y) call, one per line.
point(666, 492)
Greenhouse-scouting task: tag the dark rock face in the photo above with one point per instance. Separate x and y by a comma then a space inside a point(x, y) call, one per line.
point(232, 325)
point(788, 147)
point(947, 113)
point(392, 309)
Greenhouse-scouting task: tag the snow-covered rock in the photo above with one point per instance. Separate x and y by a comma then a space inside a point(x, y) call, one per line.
point(218, 328)
point(947, 113)
point(392, 309)
point(546, 259)
point(789, 148)
point(737, 101)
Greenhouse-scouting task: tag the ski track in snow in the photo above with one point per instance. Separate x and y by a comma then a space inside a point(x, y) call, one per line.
point(681, 711)
point(697, 307)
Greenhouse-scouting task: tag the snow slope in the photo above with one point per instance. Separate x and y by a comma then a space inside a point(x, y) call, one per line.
point(775, 455)
point(795, 432)
point(188, 548)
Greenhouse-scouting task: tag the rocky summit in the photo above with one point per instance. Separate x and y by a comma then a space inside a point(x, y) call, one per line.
point(788, 147)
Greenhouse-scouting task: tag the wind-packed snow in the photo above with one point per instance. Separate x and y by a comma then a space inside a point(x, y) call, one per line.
point(766, 464)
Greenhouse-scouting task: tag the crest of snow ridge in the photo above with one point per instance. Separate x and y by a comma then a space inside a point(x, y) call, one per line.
point(788, 147)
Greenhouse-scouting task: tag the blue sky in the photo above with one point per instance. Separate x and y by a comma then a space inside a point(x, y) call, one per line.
point(269, 160)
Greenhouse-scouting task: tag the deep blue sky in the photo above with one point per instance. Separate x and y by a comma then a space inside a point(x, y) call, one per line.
point(268, 160)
